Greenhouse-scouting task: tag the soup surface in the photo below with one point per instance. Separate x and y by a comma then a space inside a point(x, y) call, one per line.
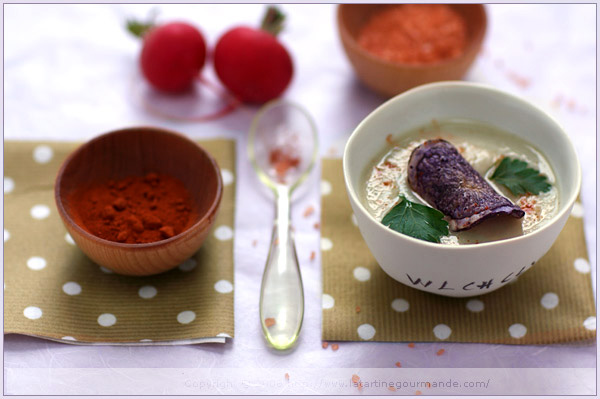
point(482, 146)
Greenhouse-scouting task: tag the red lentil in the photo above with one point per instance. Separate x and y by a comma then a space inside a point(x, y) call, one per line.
point(269, 322)
point(309, 211)
point(415, 33)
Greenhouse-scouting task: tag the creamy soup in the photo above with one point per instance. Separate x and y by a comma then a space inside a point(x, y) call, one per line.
point(482, 146)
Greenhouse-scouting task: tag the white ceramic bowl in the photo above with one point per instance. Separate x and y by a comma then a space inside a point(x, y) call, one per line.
point(468, 270)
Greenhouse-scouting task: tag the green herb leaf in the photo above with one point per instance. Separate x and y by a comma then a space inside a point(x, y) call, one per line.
point(519, 179)
point(416, 220)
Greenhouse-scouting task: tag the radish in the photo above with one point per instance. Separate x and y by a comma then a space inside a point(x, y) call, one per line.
point(252, 63)
point(172, 55)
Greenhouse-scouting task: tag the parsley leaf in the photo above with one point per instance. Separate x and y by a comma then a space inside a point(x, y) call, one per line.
point(416, 220)
point(518, 178)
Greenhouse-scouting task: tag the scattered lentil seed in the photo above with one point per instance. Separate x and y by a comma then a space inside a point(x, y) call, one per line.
point(309, 211)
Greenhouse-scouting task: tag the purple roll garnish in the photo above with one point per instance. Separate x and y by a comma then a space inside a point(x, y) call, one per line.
point(443, 178)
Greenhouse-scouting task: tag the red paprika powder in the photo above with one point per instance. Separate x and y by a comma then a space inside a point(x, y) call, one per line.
point(136, 209)
point(415, 33)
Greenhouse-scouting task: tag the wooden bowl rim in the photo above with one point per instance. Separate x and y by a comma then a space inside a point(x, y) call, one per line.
point(150, 245)
point(474, 43)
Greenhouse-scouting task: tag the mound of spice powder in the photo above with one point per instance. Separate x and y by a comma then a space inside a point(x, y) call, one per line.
point(415, 33)
point(136, 209)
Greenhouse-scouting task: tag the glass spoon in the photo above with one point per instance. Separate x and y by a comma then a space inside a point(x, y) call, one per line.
point(282, 148)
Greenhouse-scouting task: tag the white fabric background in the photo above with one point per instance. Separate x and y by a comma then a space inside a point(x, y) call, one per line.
point(68, 72)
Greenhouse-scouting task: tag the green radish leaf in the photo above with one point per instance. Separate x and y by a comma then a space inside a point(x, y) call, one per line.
point(520, 179)
point(416, 220)
point(137, 28)
point(140, 28)
point(273, 21)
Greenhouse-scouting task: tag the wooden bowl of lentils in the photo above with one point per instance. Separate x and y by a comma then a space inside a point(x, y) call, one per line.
point(139, 201)
point(395, 47)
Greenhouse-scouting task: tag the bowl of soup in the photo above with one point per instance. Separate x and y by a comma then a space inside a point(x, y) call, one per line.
point(459, 188)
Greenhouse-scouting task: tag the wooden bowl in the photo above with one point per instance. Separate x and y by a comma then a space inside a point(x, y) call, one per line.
point(389, 78)
point(138, 151)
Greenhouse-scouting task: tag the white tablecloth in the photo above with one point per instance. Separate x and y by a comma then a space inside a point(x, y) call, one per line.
point(67, 76)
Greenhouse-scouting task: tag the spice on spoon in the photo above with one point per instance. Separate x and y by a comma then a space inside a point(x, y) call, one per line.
point(283, 160)
point(134, 210)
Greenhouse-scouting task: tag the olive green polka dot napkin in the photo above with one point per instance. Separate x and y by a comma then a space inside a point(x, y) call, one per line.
point(52, 290)
point(553, 302)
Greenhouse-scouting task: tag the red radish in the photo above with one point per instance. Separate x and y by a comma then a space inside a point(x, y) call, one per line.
point(251, 63)
point(172, 56)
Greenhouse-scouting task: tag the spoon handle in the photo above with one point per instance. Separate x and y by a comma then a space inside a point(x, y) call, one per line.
point(281, 292)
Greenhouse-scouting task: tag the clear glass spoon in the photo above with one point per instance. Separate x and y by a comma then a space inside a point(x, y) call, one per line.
point(282, 148)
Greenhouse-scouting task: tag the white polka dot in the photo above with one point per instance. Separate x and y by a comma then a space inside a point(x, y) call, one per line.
point(366, 331)
point(577, 210)
point(361, 273)
point(224, 233)
point(71, 288)
point(68, 338)
point(6, 235)
point(147, 292)
point(224, 335)
point(475, 305)
point(442, 331)
point(32, 312)
point(325, 187)
point(549, 300)
point(105, 270)
point(188, 265)
point(327, 301)
point(223, 286)
point(590, 323)
point(36, 263)
point(227, 177)
point(582, 265)
point(107, 319)
point(517, 330)
point(400, 305)
point(42, 154)
point(145, 340)
point(40, 212)
point(354, 221)
point(326, 244)
point(9, 185)
point(69, 239)
point(186, 317)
